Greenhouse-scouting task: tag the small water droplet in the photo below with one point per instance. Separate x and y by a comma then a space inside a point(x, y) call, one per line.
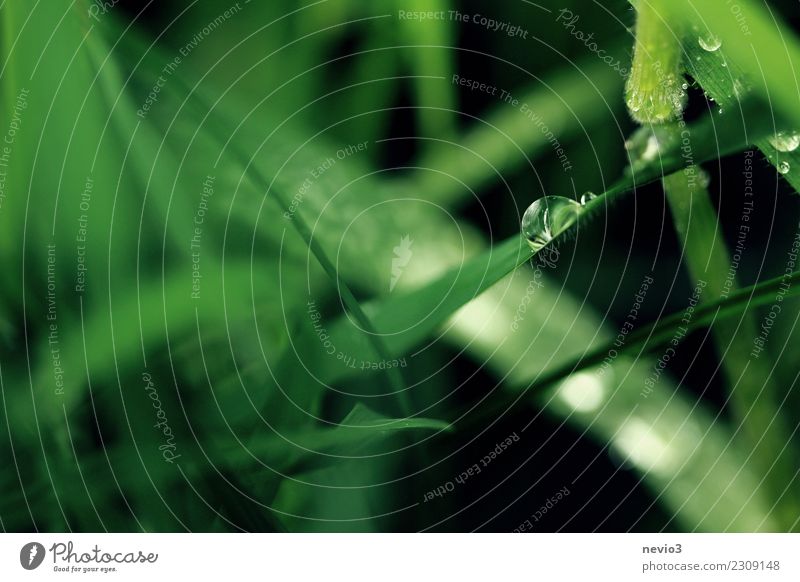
point(684, 86)
point(548, 217)
point(784, 167)
point(586, 197)
point(721, 111)
point(709, 43)
point(647, 144)
point(785, 141)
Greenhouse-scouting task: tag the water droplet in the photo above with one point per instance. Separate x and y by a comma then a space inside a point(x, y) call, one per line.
point(721, 111)
point(684, 86)
point(785, 141)
point(648, 143)
point(586, 197)
point(703, 178)
point(655, 101)
point(784, 167)
point(709, 43)
point(548, 217)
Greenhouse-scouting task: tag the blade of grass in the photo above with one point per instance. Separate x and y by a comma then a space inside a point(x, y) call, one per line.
point(430, 306)
point(701, 460)
point(686, 456)
point(311, 448)
point(393, 374)
point(430, 57)
point(767, 51)
point(758, 55)
point(753, 393)
point(656, 335)
point(728, 86)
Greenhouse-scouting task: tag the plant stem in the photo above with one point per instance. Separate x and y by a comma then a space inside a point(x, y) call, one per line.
point(654, 92)
point(753, 393)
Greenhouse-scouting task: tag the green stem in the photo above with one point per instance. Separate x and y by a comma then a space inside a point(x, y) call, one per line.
point(654, 92)
point(651, 337)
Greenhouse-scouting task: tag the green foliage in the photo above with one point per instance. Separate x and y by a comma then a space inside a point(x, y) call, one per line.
point(288, 295)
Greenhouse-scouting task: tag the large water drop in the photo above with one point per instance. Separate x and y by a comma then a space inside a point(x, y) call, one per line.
point(709, 43)
point(548, 217)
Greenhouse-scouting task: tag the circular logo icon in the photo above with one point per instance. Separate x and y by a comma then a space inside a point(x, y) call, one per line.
point(31, 555)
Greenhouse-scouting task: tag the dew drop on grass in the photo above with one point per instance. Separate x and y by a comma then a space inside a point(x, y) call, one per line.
point(587, 197)
point(784, 167)
point(648, 143)
point(548, 217)
point(784, 141)
point(709, 43)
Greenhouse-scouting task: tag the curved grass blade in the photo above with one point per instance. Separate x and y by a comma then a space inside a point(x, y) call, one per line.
point(393, 374)
point(314, 447)
point(430, 306)
point(505, 140)
point(658, 334)
point(754, 398)
point(728, 86)
point(767, 52)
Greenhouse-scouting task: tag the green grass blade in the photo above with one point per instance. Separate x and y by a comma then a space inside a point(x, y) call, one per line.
point(393, 374)
point(506, 140)
point(765, 51)
point(728, 86)
point(298, 451)
point(430, 306)
point(430, 57)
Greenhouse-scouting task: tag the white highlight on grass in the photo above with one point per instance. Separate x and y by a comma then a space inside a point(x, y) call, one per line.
point(639, 443)
point(583, 392)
